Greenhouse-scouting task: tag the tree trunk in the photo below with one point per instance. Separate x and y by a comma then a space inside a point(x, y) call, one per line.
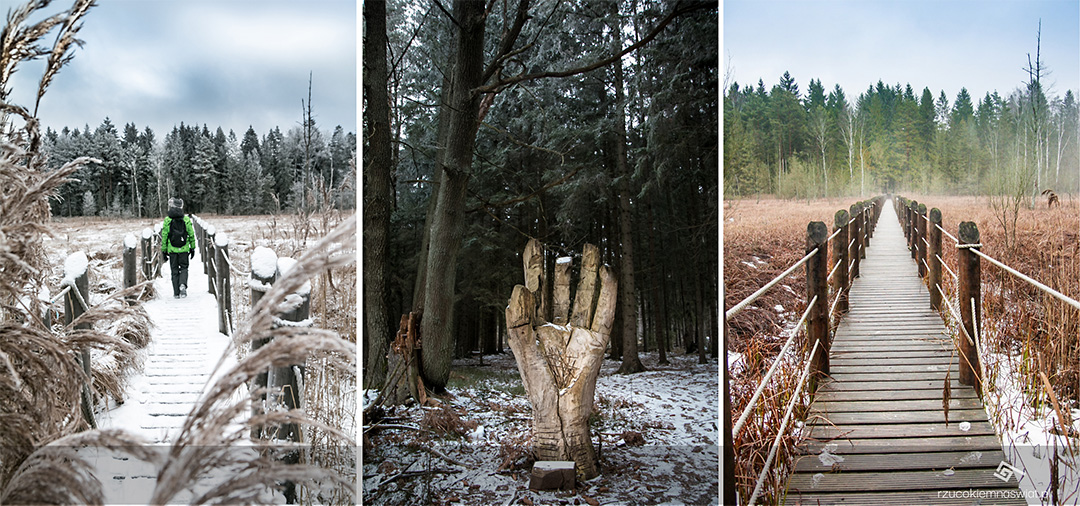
point(559, 365)
point(377, 196)
point(627, 296)
point(447, 222)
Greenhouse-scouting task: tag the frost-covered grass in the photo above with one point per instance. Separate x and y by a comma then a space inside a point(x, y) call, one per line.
point(656, 431)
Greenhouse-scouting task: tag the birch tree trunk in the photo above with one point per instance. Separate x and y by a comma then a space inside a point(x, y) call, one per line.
point(559, 364)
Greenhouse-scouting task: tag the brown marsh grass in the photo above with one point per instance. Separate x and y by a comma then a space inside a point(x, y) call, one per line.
point(762, 238)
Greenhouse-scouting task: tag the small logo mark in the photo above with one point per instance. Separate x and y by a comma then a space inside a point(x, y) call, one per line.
point(1006, 471)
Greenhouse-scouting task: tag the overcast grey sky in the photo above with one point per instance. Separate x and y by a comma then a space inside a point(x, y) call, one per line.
point(223, 63)
point(944, 45)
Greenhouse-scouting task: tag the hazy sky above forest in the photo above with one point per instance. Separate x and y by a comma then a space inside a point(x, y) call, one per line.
point(943, 45)
point(222, 63)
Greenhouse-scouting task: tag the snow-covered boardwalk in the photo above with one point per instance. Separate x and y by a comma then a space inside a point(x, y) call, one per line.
point(186, 346)
point(877, 433)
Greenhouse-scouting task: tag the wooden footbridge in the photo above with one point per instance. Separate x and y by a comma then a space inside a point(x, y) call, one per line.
point(877, 432)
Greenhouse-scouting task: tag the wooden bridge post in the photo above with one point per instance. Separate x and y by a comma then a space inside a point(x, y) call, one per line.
point(933, 258)
point(913, 241)
point(208, 263)
point(263, 274)
point(817, 323)
point(147, 246)
point(864, 215)
point(904, 218)
point(75, 301)
point(159, 257)
point(853, 252)
point(130, 264)
point(970, 300)
point(224, 283)
point(840, 253)
point(920, 246)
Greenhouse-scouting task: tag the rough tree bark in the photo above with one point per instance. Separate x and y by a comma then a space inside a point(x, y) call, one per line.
point(628, 298)
point(559, 364)
point(377, 195)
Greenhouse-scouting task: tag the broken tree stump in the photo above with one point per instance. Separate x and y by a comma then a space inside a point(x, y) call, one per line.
point(559, 364)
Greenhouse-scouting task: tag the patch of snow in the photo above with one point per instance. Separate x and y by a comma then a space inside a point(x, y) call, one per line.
point(221, 240)
point(74, 266)
point(264, 262)
point(816, 480)
point(748, 264)
point(965, 426)
point(147, 233)
point(563, 260)
point(130, 242)
point(829, 459)
point(779, 308)
point(948, 472)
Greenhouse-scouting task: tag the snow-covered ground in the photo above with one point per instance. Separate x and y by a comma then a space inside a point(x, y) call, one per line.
point(1031, 437)
point(657, 431)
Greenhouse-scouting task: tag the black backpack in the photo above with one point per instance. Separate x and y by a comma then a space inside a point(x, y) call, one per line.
point(178, 233)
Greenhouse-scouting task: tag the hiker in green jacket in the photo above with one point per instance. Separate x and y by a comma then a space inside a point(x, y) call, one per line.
point(178, 245)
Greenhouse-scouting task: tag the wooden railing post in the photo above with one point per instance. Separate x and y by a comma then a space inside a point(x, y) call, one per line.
point(224, 283)
point(969, 300)
point(853, 252)
point(147, 245)
point(130, 264)
point(727, 484)
point(284, 383)
point(263, 274)
point(817, 323)
point(933, 258)
point(840, 254)
point(913, 242)
point(158, 256)
point(921, 244)
point(208, 262)
point(865, 227)
point(76, 277)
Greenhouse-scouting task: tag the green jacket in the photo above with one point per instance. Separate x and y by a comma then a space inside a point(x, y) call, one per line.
point(166, 247)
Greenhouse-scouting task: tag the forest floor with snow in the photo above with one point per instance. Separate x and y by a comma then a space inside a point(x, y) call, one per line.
point(656, 432)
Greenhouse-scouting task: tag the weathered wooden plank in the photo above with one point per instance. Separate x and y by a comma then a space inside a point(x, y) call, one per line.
point(897, 480)
point(890, 358)
point(930, 394)
point(884, 367)
point(900, 430)
point(899, 376)
point(985, 497)
point(983, 443)
point(879, 418)
point(854, 406)
point(899, 354)
point(920, 384)
point(899, 461)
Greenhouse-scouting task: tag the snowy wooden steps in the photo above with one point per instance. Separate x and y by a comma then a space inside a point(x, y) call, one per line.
point(876, 433)
point(186, 346)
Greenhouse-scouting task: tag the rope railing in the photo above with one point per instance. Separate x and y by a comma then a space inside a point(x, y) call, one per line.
point(836, 300)
point(833, 271)
point(946, 266)
point(947, 234)
point(1060, 296)
point(772, 370)
point(783, 426)
point(754, 296)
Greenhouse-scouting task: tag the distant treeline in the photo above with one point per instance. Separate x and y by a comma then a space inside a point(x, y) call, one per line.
point(214, 172)
point(778, 140)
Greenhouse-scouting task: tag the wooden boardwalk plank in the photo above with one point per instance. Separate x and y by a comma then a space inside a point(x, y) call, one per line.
point(878, 416)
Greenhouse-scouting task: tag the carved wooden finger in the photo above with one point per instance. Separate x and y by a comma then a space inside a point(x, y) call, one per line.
point(533, 259)
point(583, 301)
point(605, 304)
point(561, 312)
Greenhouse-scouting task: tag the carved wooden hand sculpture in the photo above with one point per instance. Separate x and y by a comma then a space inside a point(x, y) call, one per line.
point(559, 362)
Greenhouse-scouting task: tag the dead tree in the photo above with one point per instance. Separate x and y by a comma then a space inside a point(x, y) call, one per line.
point(559, 364)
